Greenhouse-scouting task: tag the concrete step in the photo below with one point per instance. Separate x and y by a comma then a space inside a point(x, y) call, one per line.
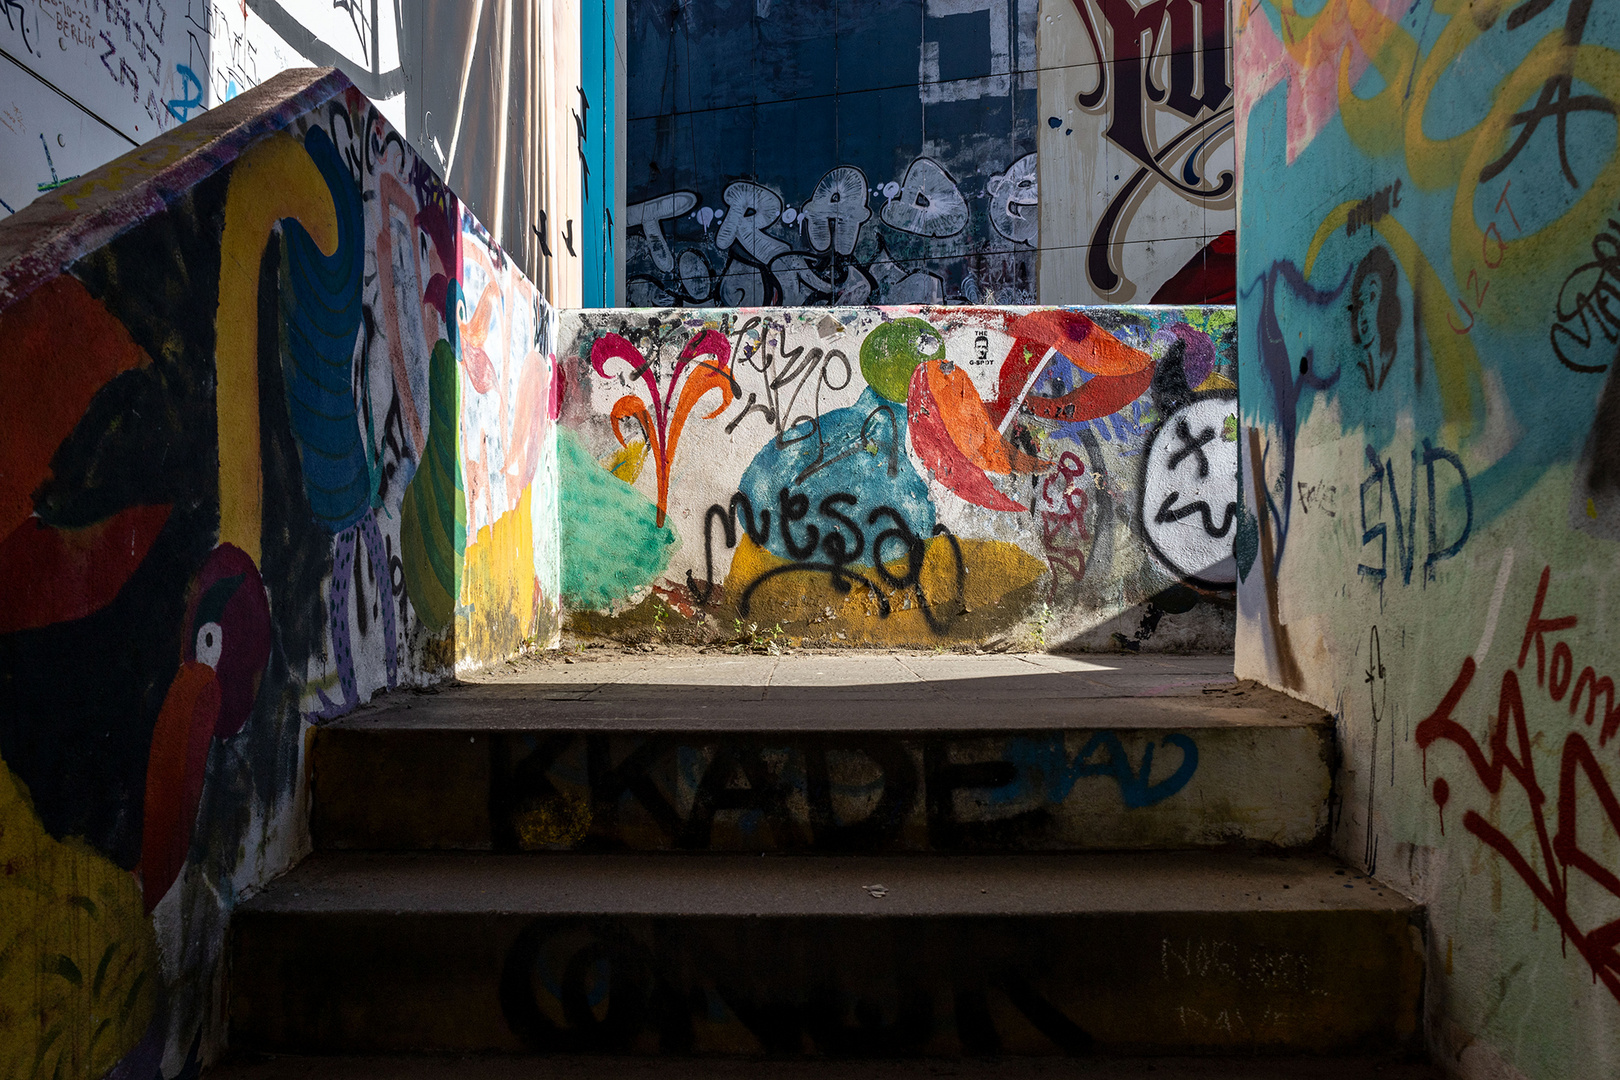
point(595, 1067)
point(863, 752)
point(885, 956)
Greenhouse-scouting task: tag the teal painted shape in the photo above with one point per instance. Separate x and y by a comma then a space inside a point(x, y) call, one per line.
point(611, 542)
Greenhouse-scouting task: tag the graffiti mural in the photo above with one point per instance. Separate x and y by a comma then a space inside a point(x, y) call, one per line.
point(1136, 152)
point(278, 436)
point(1428, 211)
point(1033, 790)
point(810, 176)
point(125, 71)
point(904, 475)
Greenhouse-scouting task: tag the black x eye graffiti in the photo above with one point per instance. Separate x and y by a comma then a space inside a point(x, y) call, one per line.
point(1192, 445)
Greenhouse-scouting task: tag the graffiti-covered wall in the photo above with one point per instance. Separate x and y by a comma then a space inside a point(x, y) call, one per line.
point(1431, 423)
point(831, 152)
point(1136, 152)
point(276, 436)
point(919, 476)
point(84, 81)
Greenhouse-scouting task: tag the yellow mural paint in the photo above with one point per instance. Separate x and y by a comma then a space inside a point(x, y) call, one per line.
point(78, 959)
point(559, 822)
point(627, 463)
point(498, 587)
point(941, 606)
point(273, 179)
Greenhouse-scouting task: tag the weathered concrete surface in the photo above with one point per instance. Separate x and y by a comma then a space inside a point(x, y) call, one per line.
point(841, 691)
point(594, 1067)
point(900, 477)
point(1430, 430)
point(870, 955)
point(842, 752)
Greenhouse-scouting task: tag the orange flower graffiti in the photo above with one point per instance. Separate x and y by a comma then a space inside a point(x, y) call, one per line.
point(661, 425)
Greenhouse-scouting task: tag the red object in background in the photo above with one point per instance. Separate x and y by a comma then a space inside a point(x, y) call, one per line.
point(1210, 277)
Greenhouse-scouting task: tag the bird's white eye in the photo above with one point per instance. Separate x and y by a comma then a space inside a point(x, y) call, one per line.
point(210, 639)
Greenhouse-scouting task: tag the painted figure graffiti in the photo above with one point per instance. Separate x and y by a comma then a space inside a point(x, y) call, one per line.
point(1375, 316)
point(252, 501)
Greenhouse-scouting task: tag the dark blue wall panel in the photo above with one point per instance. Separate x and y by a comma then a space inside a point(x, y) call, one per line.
point(849, 143)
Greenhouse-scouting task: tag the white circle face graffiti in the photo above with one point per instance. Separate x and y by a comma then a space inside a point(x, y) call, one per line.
point(1189, 491)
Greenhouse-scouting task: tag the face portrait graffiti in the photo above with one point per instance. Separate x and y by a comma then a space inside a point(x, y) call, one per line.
point(1375, 315)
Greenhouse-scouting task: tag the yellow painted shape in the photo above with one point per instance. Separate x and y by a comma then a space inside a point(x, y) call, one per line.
point(1216, 381)
point(78, 960)
point(993, 570)
point(1375, 124)
point(627, 463)
point(273, 179)
point(498, 586)
point(558, 822)
point(1529, 268)
point(135, 167)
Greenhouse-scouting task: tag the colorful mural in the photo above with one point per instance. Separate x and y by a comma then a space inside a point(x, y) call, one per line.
point(888, 476)
point(1428, 436)
point(882, 153)
point(278, 435)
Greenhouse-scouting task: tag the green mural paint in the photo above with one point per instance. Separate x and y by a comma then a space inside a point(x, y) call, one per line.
point(433, 525)
point(612, 544)
point(892, 351)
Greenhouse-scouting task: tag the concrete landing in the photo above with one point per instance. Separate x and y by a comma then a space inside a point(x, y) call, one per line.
point(826, 753)
point(618, 1068)
point(690, 884)
point(845, 691)
point(858, 956)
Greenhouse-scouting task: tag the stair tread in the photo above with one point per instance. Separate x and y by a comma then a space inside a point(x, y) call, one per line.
point(569, 1067)
point(842, 692)
point(689, 884)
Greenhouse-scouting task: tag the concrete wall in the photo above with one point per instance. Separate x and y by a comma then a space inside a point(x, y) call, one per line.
point(831, 152)
point(83, 81)
point(277, 435)
point(1137, 170)
point(901, 476)
point(1430, 414)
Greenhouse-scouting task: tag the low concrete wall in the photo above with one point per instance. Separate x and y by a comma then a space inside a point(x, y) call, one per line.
point(276, 435)
point(1047, 478)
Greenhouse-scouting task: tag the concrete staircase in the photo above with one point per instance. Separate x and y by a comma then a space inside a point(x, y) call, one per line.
point(826, 856)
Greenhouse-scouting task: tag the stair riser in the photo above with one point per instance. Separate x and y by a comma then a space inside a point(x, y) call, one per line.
point(1032, 791)
point(1132, 983)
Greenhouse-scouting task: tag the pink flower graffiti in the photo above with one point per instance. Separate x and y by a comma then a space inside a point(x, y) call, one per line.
point(661, 425)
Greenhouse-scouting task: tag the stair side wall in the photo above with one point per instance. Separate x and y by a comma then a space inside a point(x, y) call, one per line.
point(1430, 423)
point(1035, 478)
point(278, 435)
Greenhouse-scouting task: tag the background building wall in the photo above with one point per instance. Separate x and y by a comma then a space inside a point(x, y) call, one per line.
point(83, 81)
point(277, 435)
point(1428, 545)
point(901, 476)
point(600, 137)
point(831, 152)
point(1137, 172)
